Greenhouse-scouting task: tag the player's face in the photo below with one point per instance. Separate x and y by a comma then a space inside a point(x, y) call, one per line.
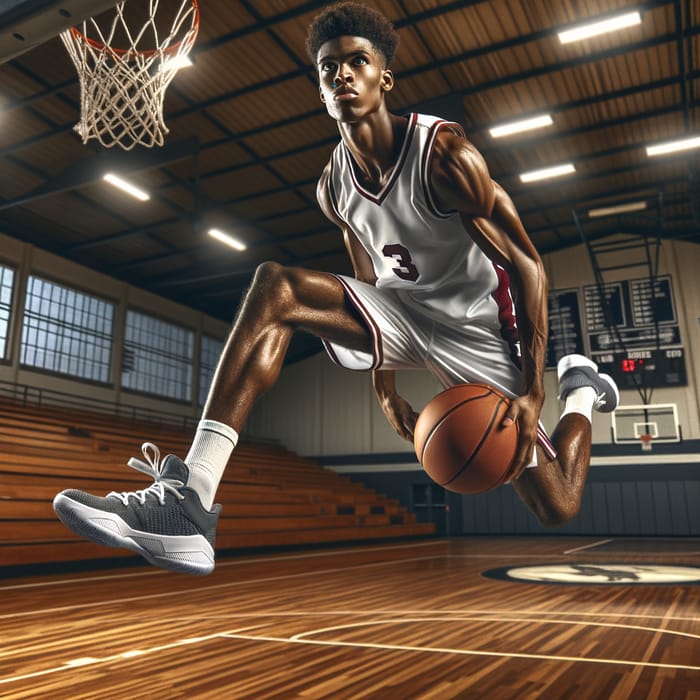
point(352, 78)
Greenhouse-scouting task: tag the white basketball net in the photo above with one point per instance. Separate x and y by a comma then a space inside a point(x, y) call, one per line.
point(122, 87)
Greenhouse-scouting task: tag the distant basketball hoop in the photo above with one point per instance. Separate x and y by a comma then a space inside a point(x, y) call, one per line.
point(646, 425)
point(124, 72)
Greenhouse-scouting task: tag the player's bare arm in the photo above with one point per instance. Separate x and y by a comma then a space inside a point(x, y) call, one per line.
point(461, 181)
point(398, 411)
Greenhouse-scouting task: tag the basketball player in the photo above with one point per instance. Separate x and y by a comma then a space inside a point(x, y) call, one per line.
point(443, 267)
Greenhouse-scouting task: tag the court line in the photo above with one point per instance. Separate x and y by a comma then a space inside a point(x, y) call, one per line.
point(246, 582)
point(588, 546)
point(648, 555)
point(462, 652)
point(219, 565)
point(301, 638)
point(475, 611)
point(469, 614)
point(638, 553)
point(154, 571)
point(125, 655)
point(212, 587)
point(476, 618)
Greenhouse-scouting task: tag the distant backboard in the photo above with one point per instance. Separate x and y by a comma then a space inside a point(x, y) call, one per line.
point(658, 421)
point(25, 24)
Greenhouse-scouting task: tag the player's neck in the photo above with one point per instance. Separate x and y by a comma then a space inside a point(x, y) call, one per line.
point(375, 144)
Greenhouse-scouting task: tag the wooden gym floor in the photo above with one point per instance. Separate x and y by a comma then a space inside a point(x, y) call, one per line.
point(390, 621)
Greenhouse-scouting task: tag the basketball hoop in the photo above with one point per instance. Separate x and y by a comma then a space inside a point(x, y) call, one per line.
point(122, 88)
point(646, 442)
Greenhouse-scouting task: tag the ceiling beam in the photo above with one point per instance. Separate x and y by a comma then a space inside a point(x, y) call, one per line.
point(90, 170)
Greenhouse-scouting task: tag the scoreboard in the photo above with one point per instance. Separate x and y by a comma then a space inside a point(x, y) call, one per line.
point(653, 368)
point(643, 345)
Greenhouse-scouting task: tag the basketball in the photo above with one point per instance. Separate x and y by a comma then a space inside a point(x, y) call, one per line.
point(459, 439)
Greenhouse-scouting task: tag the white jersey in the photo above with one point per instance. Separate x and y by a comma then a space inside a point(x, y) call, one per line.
point(415, 247)
point(439, 303)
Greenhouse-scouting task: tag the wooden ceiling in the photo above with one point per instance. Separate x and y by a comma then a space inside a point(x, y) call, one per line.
point(249, 137)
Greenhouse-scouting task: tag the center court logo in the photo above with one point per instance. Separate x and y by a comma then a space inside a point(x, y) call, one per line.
point(585, 573)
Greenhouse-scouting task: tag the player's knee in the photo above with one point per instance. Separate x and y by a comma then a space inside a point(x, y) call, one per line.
point(558, 514)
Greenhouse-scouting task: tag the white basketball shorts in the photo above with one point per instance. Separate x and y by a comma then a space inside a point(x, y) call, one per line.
point(407, 334)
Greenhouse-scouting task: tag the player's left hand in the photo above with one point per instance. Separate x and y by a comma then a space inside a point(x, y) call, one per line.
point(400, 414)
point(525, 411)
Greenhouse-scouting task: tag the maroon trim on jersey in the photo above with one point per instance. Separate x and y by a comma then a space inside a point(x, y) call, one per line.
point(425, 166)
point(372, 327)
point(506, 313)
point(329, 349)
point(382, 194)
point(546, 443)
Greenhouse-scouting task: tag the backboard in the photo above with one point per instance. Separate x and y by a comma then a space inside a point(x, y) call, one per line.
point(25, 24)
point(646, 424)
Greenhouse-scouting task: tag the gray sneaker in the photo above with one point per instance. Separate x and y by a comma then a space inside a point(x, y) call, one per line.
point(575, 371)
point(165, 523)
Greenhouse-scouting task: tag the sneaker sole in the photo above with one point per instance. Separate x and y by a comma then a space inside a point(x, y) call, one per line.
point(190, 554)
point(615, 392)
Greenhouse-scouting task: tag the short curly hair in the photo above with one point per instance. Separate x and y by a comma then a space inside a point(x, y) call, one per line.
point(352, 19)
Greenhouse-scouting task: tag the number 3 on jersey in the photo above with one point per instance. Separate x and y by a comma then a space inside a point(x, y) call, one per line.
point(405, 269)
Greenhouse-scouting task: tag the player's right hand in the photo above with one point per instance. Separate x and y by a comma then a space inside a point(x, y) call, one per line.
point(526, 412)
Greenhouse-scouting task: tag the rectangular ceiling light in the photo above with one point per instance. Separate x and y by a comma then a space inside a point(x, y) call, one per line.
point(673, 146)
point(521, 125)
point(617, 209)
point(603, 26)
point(126, 186)
point(554, 171)
point(225, 238)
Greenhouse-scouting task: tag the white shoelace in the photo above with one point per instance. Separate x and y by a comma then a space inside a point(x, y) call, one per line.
point(153, 468)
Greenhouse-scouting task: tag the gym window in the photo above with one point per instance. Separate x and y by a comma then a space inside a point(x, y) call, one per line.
point(157, 357)
point(66, 331)
point(7, 276)
point(209, 351)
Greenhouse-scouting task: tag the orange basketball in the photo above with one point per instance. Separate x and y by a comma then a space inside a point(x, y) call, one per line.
point(459, 439)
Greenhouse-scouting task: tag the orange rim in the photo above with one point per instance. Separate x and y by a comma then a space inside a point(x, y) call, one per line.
point(99, 46)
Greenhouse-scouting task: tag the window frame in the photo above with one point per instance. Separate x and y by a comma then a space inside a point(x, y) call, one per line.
point(168, 321)
point(6, 354)
point(89, 293)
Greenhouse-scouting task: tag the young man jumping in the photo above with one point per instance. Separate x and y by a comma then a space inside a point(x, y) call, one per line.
point(446, 279)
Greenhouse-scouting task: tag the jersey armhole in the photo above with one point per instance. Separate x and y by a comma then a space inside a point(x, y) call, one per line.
point(332, 198)
point(455, 128)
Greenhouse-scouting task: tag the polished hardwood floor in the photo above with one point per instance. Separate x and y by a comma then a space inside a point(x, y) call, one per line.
point(400, 620)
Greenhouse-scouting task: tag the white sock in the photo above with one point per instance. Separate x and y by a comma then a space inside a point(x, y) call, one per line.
point(208, 456)
point(581, 401)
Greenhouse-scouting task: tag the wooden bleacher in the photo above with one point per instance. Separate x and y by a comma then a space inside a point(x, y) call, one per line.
point(270, 496)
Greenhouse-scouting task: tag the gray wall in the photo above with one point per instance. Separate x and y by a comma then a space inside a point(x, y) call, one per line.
point(620, 501)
